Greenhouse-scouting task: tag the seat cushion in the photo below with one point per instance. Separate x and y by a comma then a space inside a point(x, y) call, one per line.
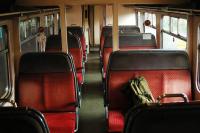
point(61, 122)
point(115, 121)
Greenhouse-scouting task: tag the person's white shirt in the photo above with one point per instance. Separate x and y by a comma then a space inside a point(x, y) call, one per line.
point(41, 40)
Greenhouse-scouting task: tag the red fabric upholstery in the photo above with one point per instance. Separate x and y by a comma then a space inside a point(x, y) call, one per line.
point(61, 122)
point(160, 82)
point(78, 61)
point(83, 43)
point(33, 98)
point(47, 92)
point(49, 88)
point(102, 39)
point(80, 77)
point(106, 55)
point(115, 121)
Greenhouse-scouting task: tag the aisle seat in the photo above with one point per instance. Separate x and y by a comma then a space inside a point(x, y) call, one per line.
point(165, 71)
point(107, 31)
point(76, 51)
point(78, 31)
point(47, 82)
point(128, 42)
point(165, 118)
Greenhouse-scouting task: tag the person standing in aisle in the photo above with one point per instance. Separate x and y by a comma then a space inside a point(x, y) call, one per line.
point(41, 39)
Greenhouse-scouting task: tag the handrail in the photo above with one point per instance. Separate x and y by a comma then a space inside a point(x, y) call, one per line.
point(181, 95)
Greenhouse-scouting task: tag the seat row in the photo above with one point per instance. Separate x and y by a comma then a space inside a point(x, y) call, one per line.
point(47, 82)
point(76, 46)
point(130, 38)
point(167, 72)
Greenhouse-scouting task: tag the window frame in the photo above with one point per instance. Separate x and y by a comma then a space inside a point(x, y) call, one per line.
point(6, 52)
point(170, 29)
point(178, 36)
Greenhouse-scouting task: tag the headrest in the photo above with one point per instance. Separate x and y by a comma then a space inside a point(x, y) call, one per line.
point(129, 29)
point(73, 40)
point(107, 30)
point(168, 118)
point(45, 63)
point(54, 42)
point(139, 39)
point(76, 30)
point(148, 60)
point(24, 120)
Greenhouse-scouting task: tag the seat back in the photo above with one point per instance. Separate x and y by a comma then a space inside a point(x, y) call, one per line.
point(54, 43)
point(128, 42)
point(165, 72)
point(165, 118)
point(47, 82)
point(23, 120)
point(75, 50)
point(77, 30)
point(107, 31)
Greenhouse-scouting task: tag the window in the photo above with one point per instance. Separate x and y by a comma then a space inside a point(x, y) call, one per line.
point(28, 28)
point(49, 24)
point(166, 23)
point(4, 74)
point(174, 33)
point(152, 28)
point(140, 21)
point(28, 33)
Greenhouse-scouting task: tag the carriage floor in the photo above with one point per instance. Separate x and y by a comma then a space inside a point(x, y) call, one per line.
point(92, 112)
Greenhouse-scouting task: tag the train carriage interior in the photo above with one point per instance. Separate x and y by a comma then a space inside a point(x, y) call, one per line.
point(79, 66)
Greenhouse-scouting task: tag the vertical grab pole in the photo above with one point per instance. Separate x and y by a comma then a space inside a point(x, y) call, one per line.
point(63, 28)
point(115, 32)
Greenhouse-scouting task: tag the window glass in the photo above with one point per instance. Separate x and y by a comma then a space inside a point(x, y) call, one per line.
point(28, 32)
point(173, 43)
point(49, 24)
point(3, 75)
point(154, 20)
point(174, 25)
point(3, 38)
point(4, 78)
point(166, 23)
point(150, 30)
point(28, 28)
point(182, 27)
point(140, 22)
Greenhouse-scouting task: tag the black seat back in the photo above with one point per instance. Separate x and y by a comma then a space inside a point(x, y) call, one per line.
point(22, 120)
point(165, 118)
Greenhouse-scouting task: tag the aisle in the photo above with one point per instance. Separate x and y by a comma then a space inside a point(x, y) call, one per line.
point(92, 113)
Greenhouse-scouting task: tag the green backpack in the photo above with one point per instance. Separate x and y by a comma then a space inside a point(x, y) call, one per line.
point(140, 91)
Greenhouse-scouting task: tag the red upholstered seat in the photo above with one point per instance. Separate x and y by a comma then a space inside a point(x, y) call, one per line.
point(78, 61)
point(116, 121)
point(167, 72)
point(61, 122)
point(83, 43)
point(78, 31)
point(47, 83)
point(76, 51)
point(126, 42)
